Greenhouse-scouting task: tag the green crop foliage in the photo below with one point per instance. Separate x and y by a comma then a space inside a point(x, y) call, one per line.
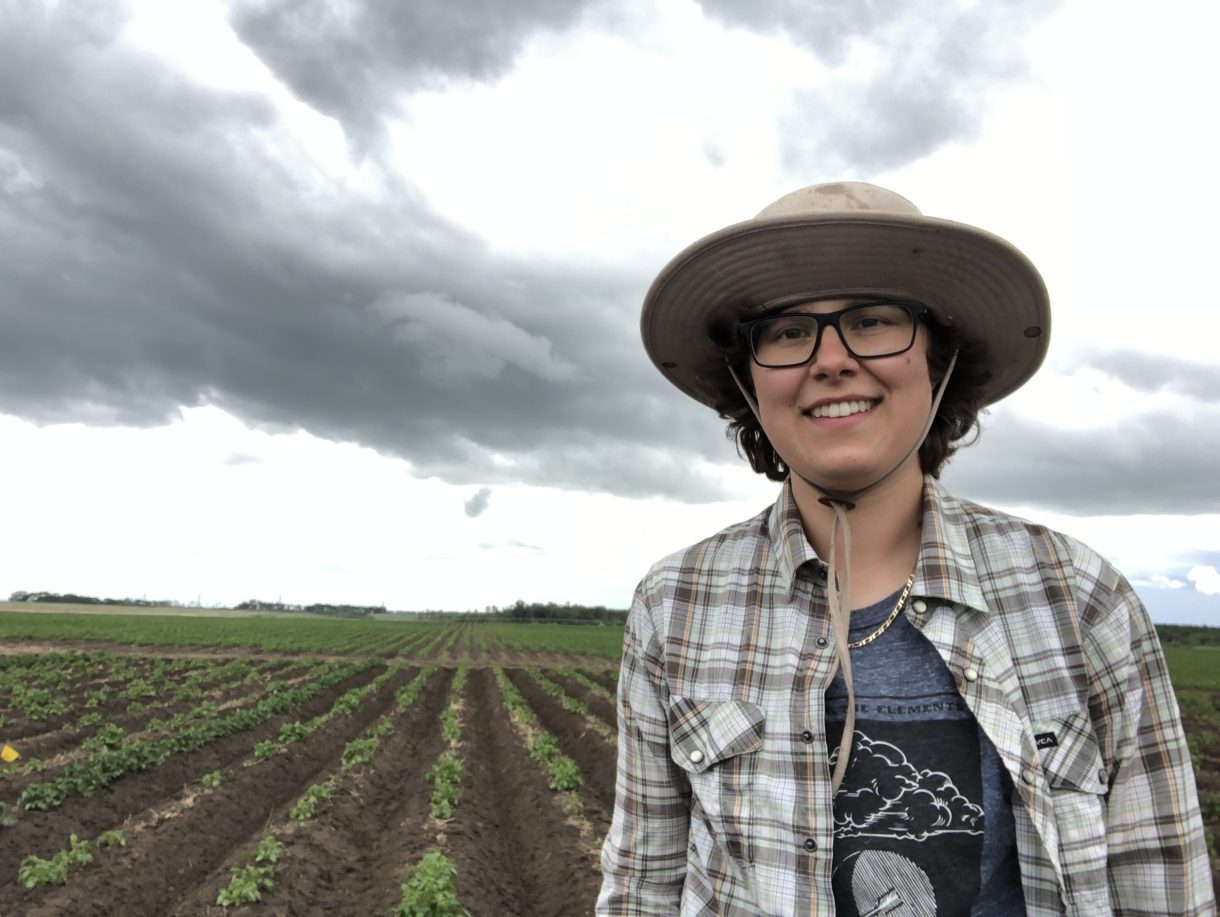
point(211, 780)
point(35, 871)
point(446, 777)
point(293, 732)
point(109, 736)
point(265, 749)
point(407, 694)
point(545, 747)
point(269, 850)
point(112, 838)
point(451, 730)
point(246, 885)
point(307, 806)
point(430, 890)
point(86, 720)
point(565, 775)
point(359, 751)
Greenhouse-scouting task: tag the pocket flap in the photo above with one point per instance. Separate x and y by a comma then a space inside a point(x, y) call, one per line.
point(1073, 762)
point(706, 732)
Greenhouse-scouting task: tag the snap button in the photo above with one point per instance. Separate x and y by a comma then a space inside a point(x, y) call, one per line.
point(696, 756)
point(821, 642)
point(1103, 776)
point(1029, 776)
point(810, 844)
point(807, 737)
point(971, 674)
point(920, 605)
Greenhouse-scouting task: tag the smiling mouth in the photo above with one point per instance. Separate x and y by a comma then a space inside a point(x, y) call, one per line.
point(843, 408)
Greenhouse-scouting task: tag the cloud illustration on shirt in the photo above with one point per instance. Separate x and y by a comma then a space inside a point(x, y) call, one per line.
point(890, 797)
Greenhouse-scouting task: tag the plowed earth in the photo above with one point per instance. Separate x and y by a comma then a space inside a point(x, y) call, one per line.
point(515, 850)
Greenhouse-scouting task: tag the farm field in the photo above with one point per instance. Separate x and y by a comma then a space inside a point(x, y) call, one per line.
point(313, 766)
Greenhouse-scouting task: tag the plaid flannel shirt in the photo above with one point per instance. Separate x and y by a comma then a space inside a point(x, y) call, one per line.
point(723, 802)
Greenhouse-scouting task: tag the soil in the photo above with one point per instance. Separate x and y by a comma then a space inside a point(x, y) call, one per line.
point(598, 705)
point(349, 860)
point(515, 852)
point(593, 755)
point(165, 863)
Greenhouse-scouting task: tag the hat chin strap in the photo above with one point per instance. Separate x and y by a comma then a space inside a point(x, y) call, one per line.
point(839, 595)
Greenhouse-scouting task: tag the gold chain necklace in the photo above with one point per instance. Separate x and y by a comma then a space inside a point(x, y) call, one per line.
point(885, 625)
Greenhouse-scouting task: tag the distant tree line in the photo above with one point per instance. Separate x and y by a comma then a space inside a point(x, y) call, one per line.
point(1188, 634)
point(70, 598)
point(334, 611)
point(553, 612)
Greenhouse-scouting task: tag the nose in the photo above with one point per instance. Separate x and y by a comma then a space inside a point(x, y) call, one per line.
point(831, 358)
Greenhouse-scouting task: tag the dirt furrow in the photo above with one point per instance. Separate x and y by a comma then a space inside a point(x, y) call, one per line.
point(593, 755)
point(349, 859)
point(598, 705)
point(515, 852)
point(43, 833)
point(175, 855)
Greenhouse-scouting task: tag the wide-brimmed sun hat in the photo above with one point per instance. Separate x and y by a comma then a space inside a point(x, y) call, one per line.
point(846, 239)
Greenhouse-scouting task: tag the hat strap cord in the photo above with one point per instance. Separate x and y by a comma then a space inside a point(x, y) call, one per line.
point(838, 596)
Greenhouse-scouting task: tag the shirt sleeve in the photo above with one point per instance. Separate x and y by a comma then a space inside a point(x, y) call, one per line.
point(1156, 853)
point(644, 855)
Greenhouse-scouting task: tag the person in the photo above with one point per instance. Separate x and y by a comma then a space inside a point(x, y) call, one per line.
point(874, 697)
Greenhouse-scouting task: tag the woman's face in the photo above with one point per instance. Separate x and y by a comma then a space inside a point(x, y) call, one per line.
point(840, 421)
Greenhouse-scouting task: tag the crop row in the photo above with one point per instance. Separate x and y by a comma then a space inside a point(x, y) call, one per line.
point(366, 637)
point(84, 778)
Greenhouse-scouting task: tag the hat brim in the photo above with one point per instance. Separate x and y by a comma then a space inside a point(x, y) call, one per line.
point(973, 281)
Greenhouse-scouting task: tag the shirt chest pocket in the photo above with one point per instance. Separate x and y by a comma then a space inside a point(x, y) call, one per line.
point(1075, 772)
point(717, 743)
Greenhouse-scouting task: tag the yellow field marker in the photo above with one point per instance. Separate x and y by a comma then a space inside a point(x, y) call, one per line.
point(9, 754)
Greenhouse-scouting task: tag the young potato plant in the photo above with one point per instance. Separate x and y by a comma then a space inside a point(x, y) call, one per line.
point(307, 806)
point(246, 885)
point(35, 871)
point(112, 838)
point(210, 780)
point(446, 777)
point(269, 850)
point(430, 890)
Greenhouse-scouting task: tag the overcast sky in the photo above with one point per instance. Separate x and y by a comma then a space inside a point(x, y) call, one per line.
point(333, 301)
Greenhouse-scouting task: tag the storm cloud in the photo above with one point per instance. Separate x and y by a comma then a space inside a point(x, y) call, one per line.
point(171, 244)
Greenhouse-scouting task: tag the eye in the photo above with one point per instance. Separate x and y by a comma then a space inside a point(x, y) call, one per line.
point(876, 318)
point(786, 330)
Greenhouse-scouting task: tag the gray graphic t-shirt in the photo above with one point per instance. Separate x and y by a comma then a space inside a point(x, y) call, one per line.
point(923, 820)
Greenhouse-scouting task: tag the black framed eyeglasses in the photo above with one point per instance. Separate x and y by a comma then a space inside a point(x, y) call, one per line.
point(868, 330)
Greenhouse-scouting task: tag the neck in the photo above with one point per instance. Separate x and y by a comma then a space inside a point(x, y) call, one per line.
point(885, 525)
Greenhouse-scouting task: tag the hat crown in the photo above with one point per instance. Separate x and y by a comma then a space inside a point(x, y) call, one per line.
point(836, 197)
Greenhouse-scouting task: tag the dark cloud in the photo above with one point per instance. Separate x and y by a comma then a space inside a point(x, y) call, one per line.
point(168, 244)
point(477, 505)
point(1145, 464)
point(353, 60)
point(913, 76)
point(1151, 373)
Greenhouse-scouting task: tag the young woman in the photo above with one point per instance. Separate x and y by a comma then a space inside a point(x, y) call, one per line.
point(875, 698)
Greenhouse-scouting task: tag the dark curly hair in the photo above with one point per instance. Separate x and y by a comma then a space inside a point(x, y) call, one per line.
point(956, 418)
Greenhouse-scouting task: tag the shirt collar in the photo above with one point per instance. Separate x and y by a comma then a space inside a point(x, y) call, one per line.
point(946, 567)
point(790, 548)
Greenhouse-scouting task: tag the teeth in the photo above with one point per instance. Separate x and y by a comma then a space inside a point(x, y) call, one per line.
point(842, 408)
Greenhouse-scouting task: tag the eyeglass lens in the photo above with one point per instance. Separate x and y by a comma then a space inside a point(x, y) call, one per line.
point(867, 330)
